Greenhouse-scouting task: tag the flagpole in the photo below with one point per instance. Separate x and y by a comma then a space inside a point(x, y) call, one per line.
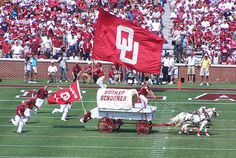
point(82, 103)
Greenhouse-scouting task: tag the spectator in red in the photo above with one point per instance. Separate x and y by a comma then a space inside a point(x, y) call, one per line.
point(57, 44)
point(6, 49)
point(87, 47)
point(76, 71)
point(35, 44)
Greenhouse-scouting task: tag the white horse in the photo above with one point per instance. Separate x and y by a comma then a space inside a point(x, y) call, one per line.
point(179, 119)
point(199, 120)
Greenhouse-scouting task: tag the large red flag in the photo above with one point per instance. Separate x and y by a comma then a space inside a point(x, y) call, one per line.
point(65, 96)
point(125, 43)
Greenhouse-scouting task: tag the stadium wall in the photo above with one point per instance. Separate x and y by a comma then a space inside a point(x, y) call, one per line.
point(14, 69)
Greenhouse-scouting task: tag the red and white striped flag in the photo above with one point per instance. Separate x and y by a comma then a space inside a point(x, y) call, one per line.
point(65, 96)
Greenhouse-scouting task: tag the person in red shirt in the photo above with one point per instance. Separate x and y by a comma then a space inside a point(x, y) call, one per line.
point(19, 118)
point(87, 47)
point(29, 105)
point(76, 70)
point(143, 92)
point(87, 75)
point(41, 96)
point(111, 75)
point(6, 49)
point(98, 72)
point(57, 43)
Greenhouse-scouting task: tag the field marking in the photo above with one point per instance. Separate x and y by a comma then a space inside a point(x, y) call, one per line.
point(79, 125)
point(37, 157)
point(181, 137)
point(75, 146)
point(155, 102)
point(200, 95)
point(206, 149)
point(112, 147)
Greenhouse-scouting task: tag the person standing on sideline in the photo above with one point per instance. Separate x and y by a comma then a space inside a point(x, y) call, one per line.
point(143, 92)
point(42, 94)
point(52, 71)
point(63, 68)
point(34, 63)
point(191, 61)
point(165, 66)
point(27, 70)
point(76, 70)
point(63, 108)
point(171, 69)
point(98, 71)
point(18, 120)
point(204, 72)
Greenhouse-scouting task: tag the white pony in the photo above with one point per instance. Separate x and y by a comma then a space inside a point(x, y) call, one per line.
point(179, 119)
point(199, 120)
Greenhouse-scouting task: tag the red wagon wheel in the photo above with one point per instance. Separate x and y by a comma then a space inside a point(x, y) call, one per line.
point(105, 125)
point(143, 127)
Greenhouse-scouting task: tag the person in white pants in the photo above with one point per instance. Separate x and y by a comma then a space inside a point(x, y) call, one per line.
point(64, 108)
point(143, 92)
point(19, 118)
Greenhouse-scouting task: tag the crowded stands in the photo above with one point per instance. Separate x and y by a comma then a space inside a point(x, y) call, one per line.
point(48, 28)
point(205, 26)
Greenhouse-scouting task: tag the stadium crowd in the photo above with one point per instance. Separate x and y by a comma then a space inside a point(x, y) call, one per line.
point(46, 28)
point(205, 27)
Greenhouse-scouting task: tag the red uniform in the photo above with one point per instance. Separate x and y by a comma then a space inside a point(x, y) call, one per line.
point(87, 46)
point(31, 103)
point(98, 71)
point(20, 110)
point(76, 69)
point(42, 93)
point(143, 90)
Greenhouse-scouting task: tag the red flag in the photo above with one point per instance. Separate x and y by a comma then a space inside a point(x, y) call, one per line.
point(65, 96)
point(125, 43)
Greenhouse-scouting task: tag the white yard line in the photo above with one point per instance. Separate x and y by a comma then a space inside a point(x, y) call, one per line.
point(113, 147)
point(37, 157)
point(180, 137)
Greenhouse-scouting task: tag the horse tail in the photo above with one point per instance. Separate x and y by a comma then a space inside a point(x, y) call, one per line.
point(176, 119)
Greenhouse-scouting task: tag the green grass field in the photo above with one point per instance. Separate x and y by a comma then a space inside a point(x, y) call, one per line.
point(45, 135)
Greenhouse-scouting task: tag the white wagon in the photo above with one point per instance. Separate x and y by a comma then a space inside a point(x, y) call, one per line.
point(116, 105)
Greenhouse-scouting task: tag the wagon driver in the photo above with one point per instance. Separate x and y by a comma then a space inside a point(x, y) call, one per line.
point(143, 92)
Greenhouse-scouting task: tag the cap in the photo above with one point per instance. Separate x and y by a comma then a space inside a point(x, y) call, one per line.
point(206, 55)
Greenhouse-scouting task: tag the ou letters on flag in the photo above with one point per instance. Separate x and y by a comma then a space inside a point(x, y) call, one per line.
point(65, 96)
point(125, 43)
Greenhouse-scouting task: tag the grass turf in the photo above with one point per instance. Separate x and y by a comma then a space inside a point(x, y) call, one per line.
point(45, 135)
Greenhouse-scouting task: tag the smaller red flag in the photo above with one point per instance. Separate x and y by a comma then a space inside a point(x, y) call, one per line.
point(66, 96)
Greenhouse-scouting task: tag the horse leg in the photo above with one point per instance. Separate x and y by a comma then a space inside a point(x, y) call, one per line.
point(206, 132)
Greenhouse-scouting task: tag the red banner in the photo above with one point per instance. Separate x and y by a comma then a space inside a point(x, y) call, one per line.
point(65, 96)
point(125, 43)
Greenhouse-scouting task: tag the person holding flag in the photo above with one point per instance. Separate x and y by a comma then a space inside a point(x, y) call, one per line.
point(65, 97)
point(63, 108)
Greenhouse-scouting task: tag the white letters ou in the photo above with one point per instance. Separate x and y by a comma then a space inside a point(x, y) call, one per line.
point(65, 96)
point(127, 44)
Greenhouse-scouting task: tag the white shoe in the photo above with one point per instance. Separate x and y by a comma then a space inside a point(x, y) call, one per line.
point(201, 84)
point(164, 82)
point(207, 84)
point(53, 111)
point(63, 119)
point(105, 86)
point(82, 120)
point(48, 81)
point(170, 83)
point(66, 81)
point(60, 80)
